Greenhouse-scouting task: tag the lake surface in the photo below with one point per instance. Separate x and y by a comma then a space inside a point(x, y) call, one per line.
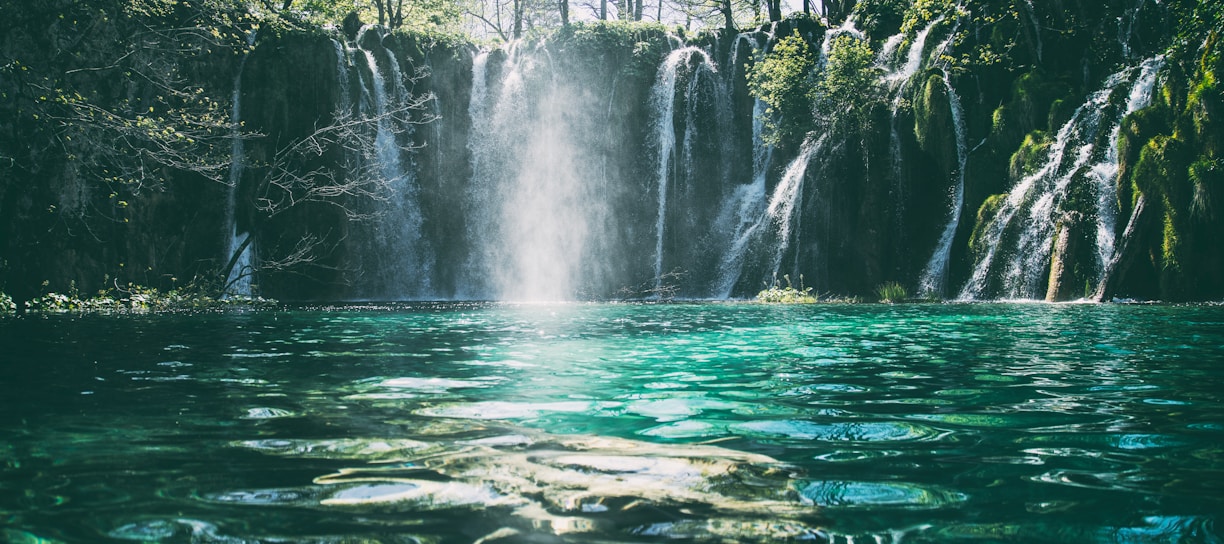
point(617, 423)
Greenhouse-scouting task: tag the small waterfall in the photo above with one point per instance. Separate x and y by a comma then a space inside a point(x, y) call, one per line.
point(788, 197)
point(898, 80)
point(935, 274)
point(479, 200)
point(913, 57)
point(239, 247)
point(743, 210)
point(1031, 13)
point(1126, 28)
point(398, 264)
point(1018, 239)
point(663, 103)
point(1105, 172)
point(342, 73)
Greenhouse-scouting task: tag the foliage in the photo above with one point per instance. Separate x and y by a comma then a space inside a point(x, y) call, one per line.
point(7, 306)
point(111, 93)
point(783, 81)
point(922, 12)
point(891, 292)
point(879, 17)
point(135, 298)
point(849, 88)
point(787, 295)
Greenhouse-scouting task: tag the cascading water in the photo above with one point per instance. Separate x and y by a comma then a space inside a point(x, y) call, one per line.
point(741, 212)
point(1105, 172)
point(240, 247)
point(935, 274)
point(1017, 241)
point(847, 28)
point(786, 199)
point(663, 105)
point(397, 259)
point(541, 219)
point(1031, 13)
point(898, 81)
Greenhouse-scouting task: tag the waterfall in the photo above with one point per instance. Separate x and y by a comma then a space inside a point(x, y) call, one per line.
point(1105, 172)
point(788, 197)
point(397, 260)
point(741, 212)
point(1031, 12)
point(898, 80)
point(541, 223)
point(913, 57)
point(663, 105)
point(935, 274)
point(1126, 28)
point(239, 247)
point(1018, 239)
point(342, 73)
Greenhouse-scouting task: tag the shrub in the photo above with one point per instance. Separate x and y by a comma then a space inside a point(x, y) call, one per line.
point(787, 295)
point(783, 81)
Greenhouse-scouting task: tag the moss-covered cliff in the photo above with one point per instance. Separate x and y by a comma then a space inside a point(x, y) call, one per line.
point(979, 149)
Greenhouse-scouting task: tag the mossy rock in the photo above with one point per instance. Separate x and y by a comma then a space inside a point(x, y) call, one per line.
point(1031, 155)
point(985, 214)
point(1061, 111)
point(934, 127)
point(1162, 170)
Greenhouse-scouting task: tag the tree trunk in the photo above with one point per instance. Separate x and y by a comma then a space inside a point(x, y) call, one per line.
point(728, 15)
point(518, 19)
point(775, 9)
point(563, 6)
point(395, 14)
point(382, 11)
point(603, 10)
point(637, 11)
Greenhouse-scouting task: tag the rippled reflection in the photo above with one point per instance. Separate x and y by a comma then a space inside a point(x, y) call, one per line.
point(617, 423)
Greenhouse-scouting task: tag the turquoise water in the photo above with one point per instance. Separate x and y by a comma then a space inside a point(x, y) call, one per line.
point(617, 423)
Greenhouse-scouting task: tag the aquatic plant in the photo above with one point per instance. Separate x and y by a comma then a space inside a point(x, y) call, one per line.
point(789, 294)
point(891, 292)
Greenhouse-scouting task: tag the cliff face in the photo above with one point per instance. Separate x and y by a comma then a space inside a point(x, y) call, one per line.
point(1015, 151)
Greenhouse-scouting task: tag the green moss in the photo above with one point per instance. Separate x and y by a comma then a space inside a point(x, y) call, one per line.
point(1061, 111)
point(1162, 170)
point(1207, 178)
point(986, 212)
point(1170, 247)
point(1028, 158)
point(933, 123)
